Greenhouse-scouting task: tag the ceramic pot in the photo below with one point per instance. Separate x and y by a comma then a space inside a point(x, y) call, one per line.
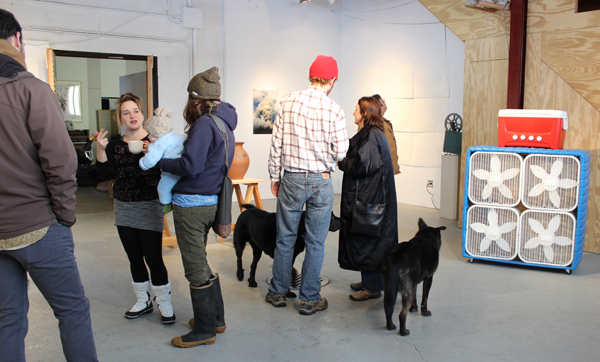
point(240, 163)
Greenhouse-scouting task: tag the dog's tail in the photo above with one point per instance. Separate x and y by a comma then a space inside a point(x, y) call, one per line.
point(248, 206)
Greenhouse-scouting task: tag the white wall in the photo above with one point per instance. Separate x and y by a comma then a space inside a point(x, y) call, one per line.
point(270, 44)
point(401, 51)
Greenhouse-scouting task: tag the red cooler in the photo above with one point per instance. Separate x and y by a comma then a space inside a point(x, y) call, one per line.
point(540, 128)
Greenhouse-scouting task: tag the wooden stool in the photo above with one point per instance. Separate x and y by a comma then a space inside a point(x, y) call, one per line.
point(167, 239)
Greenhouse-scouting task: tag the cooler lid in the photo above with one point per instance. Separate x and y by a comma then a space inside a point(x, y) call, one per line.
point(536, 113)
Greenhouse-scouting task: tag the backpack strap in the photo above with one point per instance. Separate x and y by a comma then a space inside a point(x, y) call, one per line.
point(221, 125)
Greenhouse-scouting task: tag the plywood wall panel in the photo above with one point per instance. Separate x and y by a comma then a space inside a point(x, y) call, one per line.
point(467, 23)
point(494, 48)
point(533, 57)
point(575, 57)
point(553, 15)
point(485, 93)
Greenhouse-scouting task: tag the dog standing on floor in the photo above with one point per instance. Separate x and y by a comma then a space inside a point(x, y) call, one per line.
point(405, 266)
point(259, 228)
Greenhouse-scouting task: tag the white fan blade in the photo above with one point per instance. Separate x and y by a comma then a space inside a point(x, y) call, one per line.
point(507, 227)
point(479, 227)
point(485, 244)
point(562, 240)
point(538, 171)
point(503, 244)
point(504, 190)
point(495, 164)
point(567, 183)
point(555, 198)
point(481, 174)
point(532, 243)
point(536, 226)
point(487, 192)
point(536, 190)
point(554, 224)
point(510, 173)
point(557, 167)
point(493, 218)
point(549, 253)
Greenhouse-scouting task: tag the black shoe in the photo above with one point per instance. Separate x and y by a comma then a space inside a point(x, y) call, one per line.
point(278, 300)
point(132, 315)
point(356, 286)
point(308, 308)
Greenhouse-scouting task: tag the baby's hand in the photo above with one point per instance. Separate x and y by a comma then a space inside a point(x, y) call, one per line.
point(145, 149)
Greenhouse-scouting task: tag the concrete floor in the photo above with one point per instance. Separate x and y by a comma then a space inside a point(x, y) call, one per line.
point(483, 311)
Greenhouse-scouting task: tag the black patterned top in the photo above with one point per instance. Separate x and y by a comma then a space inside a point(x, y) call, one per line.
point(132, 183)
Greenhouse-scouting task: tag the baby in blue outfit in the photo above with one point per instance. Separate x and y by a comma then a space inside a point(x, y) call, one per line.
point(163, 144)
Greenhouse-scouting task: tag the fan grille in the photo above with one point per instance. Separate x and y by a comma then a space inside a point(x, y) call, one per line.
point(480, 215)
point(560, 255)
point(553, 190)
point(494, 178)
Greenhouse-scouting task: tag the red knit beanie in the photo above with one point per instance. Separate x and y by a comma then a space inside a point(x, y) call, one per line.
point(324, 67)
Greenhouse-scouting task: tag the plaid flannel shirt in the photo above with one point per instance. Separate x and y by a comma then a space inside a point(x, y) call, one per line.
point(309, 134)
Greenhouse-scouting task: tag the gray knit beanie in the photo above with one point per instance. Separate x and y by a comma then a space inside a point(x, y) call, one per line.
point(206, 85)
point(160, 124)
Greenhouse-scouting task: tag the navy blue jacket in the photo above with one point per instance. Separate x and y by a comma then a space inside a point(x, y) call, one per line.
point(202, 163)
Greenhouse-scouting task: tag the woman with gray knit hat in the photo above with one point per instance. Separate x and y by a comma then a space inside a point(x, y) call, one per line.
point(202, 170)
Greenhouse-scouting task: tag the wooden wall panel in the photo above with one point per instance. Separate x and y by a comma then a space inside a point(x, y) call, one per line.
point(484, 95)
point(553, 15)
point(494, 48)
point(575, 56)
point(533, 75)
point(467, 23)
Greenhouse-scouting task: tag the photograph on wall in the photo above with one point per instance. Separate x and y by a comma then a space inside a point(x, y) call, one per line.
point(68, 94)
point(264, 106)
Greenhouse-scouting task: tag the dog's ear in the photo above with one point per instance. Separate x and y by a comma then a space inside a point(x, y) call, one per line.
point(442, 228)
point(422, 224)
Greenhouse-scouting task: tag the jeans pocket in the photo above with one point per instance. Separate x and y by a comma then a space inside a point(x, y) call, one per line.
point(323, 193)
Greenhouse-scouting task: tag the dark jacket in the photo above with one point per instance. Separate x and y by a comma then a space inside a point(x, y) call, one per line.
point(132, 183)
point(202, 163)
point(37, 158)
point(368, 177)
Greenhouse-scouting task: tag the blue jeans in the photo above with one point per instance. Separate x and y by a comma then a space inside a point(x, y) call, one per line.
point(296, 190)
point(52, 267)
point(372, 281)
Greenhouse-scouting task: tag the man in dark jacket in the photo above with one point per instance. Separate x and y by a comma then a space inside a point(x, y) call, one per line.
point(37, 189)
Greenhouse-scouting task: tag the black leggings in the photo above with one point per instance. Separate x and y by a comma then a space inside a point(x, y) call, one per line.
point(144, 244)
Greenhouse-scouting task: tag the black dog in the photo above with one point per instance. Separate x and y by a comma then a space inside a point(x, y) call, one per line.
point(405, 266)
point(259, 228)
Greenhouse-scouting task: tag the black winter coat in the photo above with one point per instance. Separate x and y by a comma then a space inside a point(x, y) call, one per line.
point(368, 177)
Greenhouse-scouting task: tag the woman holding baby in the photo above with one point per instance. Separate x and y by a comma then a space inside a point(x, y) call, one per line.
point(202, 170)
point(138, 211)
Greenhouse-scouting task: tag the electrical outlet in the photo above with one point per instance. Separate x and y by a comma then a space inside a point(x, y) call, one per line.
point(429, 183)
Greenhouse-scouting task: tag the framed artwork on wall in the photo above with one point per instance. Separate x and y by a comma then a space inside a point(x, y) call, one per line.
point(68, 94)
point(264, 106)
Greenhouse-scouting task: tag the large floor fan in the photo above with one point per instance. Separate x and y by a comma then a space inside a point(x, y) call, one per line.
point(549, 187)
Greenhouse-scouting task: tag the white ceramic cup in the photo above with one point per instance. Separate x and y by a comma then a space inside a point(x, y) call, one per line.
point(136, 147)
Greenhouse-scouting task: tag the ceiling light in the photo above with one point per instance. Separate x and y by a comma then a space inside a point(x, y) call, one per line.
point(304, 1)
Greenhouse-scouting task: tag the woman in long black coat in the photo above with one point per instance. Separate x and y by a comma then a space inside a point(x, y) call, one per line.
point(368, 181)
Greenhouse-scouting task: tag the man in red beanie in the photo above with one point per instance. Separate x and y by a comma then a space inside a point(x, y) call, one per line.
point(309, 137)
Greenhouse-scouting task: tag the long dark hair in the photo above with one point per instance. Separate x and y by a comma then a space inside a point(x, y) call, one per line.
point(370, 110)
point(196, 108)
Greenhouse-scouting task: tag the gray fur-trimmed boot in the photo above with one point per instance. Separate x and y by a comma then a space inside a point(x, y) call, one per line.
point(162, 296)
point(203, 303)
point(144, 304)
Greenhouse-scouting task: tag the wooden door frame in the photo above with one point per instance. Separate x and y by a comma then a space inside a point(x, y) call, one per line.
point(151, 70)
